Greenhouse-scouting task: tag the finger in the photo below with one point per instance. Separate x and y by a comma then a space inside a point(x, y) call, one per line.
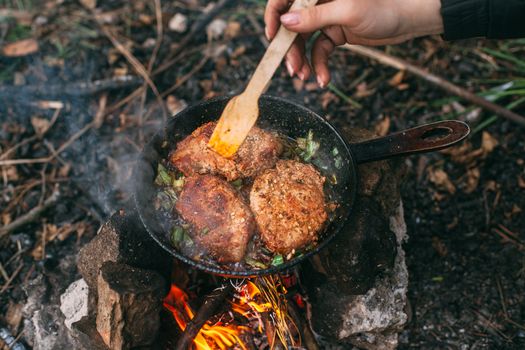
point(305, 71)
point(295, 57)
point(321, 50)
point(274, 9)
point(317, 17)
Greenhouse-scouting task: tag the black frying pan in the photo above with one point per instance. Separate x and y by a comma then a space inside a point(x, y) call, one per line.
point(293, 120)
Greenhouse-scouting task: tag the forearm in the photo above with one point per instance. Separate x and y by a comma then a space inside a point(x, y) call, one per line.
point(495, 19)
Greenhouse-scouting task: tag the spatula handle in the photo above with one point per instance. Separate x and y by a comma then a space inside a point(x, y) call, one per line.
point(274, 55)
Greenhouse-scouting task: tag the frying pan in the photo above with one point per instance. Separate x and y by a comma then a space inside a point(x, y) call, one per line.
point(336, 159)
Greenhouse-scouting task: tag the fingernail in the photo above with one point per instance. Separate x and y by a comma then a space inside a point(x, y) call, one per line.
point(320, 82)
point(266, 33)
point(290, 68)
point(290, 18)
point(301, 75)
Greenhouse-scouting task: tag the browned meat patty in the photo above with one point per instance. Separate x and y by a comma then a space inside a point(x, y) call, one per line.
point(289, 205)
point(221, 222)
point(259, 152)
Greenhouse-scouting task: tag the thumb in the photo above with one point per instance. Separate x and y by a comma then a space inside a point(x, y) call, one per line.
point(317, 17)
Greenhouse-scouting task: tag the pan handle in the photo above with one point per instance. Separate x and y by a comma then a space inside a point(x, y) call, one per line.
point(424, 138)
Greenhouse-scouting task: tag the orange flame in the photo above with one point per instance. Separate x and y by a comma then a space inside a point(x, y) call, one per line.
point(222, 336)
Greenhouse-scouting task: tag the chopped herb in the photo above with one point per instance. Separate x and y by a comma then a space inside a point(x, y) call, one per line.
point(333, 179)
point(178, 183)
point(205, 231)
point(335, 151)
point(338, 162)
point(187, 239)
point(177, 234)
point(166, 199)
point(308, 146)
point(164, 144)
point(277, 260)
point(237, 183)
point(163, 177)
point(255, 263)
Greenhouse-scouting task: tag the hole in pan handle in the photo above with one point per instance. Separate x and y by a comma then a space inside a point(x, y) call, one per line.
point(424, 138)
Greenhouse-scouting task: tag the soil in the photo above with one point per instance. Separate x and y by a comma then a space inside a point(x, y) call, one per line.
point(466, 253)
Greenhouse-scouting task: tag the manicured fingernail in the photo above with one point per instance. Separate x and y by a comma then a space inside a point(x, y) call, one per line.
point(290, 68)
point(290, 18)
point(266, 33)
point(320, 82)
point(301, 75)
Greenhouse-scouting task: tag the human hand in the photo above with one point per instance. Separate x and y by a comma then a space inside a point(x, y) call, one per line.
point(364, 22)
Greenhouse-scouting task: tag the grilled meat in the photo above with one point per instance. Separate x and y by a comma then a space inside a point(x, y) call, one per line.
point(289, 205)
point(258, 152)
point(221, 222)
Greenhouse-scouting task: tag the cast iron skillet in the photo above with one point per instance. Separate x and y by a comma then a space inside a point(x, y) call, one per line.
point(293, 120)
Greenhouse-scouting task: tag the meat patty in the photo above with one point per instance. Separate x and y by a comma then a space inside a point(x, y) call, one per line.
point(221, 221)
point(289, 205)
point(259, 152)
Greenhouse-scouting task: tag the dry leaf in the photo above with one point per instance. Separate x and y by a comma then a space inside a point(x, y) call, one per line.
point(402, 87)
point(362, 90)
point(327, 98)
point(311, 86)
point(90, 4)
point(383, 126)
point(64, 170)
point(298, 84)
point(472, 181)
point(232, 29)
point(521, 182)
point(11, 173)
point(439, 246)
point(41, 125)
point(178, 23)
point(146, 19)
point(397, 78)
point(491, 186)
point(488, 143)
point(6, 218)
point(238, 51)
point(20, 48)
point(440, 178)
point(13, 316)
point(175, 105)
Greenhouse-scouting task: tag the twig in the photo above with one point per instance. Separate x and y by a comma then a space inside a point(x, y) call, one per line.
point(54, 155)
point(198, 27)
point(212, 302)
point(436, 80)
point(187, 76)
point(8, 283)
point(31, 215)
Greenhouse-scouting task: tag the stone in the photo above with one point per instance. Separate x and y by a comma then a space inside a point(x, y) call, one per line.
point(379, 179)
point(122, 239)
point(371, 320)
point(129, 305)
point(43, 321)
point(358, 254)
point(178, 23)
point(74, 302)
point(85, 331)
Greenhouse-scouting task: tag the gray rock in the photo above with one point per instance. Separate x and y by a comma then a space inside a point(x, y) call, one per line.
point(121, 239)
point(74, 302)
point(371, 320)
point(43, 321)
point(129, 304)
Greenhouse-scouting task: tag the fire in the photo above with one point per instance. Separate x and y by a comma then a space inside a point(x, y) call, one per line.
point(265, 297)
point(222, 336)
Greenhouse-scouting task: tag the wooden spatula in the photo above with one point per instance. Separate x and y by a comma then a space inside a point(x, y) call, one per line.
point(241, 113)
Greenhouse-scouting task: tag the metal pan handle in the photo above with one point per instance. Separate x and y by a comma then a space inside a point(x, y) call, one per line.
point(425, 138)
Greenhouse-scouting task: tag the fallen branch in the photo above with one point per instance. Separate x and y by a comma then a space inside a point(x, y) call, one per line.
point(31, 215)
point(212, 302)
point(436, 80)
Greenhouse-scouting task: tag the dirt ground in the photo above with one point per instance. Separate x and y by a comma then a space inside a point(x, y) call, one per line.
point(464, 207)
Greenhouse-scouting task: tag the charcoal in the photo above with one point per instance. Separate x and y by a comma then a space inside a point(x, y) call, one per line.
point(122, 239)
point(129, 304)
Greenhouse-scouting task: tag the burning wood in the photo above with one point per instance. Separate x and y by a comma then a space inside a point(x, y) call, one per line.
point(261, 303)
